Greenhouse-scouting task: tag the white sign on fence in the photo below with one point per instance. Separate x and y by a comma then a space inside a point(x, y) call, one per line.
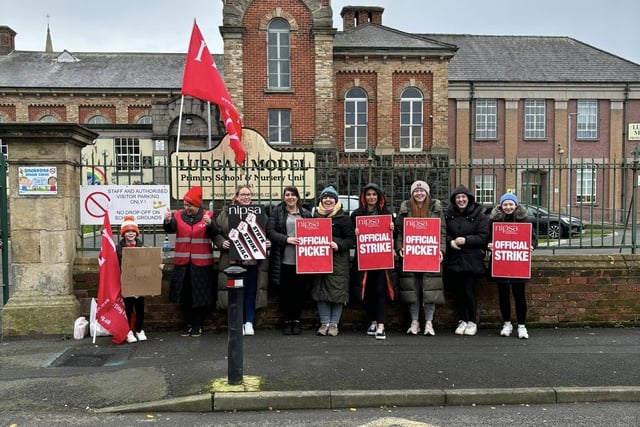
point(147, 203)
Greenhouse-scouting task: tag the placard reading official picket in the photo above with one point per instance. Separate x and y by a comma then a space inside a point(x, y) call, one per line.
point(374, 244)
point(421, 245)
point(266, 171)
point(511, 253)
point(147, 203)
point(246, 232)
point(313, 252)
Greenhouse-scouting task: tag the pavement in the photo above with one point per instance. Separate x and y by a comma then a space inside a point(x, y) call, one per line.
point(188, 374)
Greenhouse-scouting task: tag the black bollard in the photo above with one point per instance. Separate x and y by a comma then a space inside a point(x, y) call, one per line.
point(235, 287)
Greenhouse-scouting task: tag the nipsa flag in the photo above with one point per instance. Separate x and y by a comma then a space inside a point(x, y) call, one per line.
point(202, 80)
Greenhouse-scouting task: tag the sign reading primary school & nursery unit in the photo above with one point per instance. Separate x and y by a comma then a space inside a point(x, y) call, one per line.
point(374, 242)
point(511, 253)
point(313, 252)
point(421, 245)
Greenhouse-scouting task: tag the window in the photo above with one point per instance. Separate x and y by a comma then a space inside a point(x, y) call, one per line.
point(128, 157)
point(485, 191)
point(587, 127)
point(534, 118)
point(4, 149)
point(97, 120)
point(145, 120)
point(411, 120)
point(280, 126)
point(48, 118)
point(586, 183)
point(486, 118)
point(355, 120)
point(278, 55)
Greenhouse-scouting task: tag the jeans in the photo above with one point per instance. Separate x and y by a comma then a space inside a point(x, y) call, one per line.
point(329, 312)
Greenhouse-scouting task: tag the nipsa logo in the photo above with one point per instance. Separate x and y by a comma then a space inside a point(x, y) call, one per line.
point(419, 224)
point(310, 225)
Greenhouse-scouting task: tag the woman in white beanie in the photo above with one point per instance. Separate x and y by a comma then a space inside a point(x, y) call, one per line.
point(420, 289)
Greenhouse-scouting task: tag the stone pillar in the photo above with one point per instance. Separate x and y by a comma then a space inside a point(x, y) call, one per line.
point(44, 228)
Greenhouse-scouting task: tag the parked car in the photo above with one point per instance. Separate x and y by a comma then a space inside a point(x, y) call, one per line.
point(553, 225)
point(349, 203)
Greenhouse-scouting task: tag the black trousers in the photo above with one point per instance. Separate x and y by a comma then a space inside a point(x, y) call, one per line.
point(504, 299)
point(463, 287)
point(135, 305)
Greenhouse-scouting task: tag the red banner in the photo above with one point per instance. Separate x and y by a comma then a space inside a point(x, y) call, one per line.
point(110, 313)
point(374, 244)
point(313, 252)
point(421, 245)
point(511, 253)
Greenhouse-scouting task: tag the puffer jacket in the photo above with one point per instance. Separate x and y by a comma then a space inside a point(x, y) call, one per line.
point(334, 287)
point(433, 288)
point(472, 224)
point(519, 215)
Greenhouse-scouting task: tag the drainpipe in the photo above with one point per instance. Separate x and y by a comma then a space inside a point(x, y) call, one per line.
point(625, 125)
point(472, 89)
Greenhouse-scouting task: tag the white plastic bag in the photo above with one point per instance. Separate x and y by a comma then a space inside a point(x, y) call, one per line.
point(80, 328)
point(94, 327)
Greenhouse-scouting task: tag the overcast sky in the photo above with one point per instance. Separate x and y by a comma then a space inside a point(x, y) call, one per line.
point(165, 25)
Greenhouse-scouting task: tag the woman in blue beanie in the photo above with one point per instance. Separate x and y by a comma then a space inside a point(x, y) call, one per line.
point(510, 211)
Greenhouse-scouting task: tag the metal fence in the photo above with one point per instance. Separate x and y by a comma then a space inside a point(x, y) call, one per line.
point(600, 195)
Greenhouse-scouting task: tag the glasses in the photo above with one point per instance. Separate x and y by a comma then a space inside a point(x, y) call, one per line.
point(244, 194)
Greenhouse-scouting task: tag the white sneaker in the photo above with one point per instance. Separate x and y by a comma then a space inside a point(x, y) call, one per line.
point(428, 328)
point(141, 336)
point(131, 338)
point(471, 328)
point(462, 325)
point(414, 329)
point(248, 329)
point(507, 329)
point(522, 332)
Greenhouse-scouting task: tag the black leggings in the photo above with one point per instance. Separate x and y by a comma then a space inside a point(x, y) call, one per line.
point(504, 299)
point(375, 296)
point(463, 286)
point(293, 292)
point(135, 304)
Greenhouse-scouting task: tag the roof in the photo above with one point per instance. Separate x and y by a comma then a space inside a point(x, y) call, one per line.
point(540, 59)
point(94, 70)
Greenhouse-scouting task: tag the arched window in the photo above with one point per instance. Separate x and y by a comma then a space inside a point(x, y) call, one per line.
point(48, 118)
point(278, 55)
point(411, 123)
point(355, 120)
point(145, 120)
point(97, 120)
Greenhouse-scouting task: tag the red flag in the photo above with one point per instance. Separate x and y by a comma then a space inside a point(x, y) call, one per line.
point(110, 313)
point(202, 80)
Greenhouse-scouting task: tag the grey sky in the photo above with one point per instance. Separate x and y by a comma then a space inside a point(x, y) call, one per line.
point(165, 25)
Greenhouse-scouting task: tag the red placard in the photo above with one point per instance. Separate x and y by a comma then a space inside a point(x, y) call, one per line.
point(374, 244)
point(314, 253)
point(421, 245)
point(511, 253)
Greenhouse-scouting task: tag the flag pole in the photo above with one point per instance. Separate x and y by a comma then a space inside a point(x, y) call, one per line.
point(209, 123)
point(179, 125)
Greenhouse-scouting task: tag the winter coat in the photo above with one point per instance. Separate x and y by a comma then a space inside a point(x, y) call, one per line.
point(472, 224)
point(358, 278)
point(334, 287)
point(519, 215)
point(222, 222)
point(433, 288)
point(277, 234)
point(201, 277)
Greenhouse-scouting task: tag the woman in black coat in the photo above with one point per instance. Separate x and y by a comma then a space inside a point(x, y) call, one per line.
point(281, 231)
point(467, 238)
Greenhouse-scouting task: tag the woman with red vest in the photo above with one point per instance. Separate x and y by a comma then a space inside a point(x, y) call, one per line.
point(192, 281)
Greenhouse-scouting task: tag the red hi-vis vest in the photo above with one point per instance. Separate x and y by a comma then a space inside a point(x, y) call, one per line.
point(192, 243)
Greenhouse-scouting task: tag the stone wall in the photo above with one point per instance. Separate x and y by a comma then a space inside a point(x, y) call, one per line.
point(565, 290)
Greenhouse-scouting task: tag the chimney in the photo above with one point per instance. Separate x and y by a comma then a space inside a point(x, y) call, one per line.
point(352, 16)
point(7, 40)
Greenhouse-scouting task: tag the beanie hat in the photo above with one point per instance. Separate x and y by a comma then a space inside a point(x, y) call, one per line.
point(129, 225)
point(508, 196)
point(420, 184)
point(194, 196)
point(329, 191)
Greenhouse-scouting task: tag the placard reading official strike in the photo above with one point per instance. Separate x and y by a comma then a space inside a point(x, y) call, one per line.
point(313, 252)
point(374, 244)
point(421, 245)
point(511, 254)
point(246, 232)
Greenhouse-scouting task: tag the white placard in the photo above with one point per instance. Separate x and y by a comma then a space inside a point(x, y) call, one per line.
point(147, 203)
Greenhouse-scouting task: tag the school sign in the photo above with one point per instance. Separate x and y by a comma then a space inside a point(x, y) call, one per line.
point(266, 170)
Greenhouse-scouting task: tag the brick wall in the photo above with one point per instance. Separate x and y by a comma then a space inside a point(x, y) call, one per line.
point(564, 290)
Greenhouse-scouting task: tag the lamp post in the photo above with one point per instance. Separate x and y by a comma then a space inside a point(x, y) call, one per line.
point(370, 158)
point(569, 160)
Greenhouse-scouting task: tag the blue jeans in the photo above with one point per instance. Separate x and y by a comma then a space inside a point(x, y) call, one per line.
point(329, 312)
